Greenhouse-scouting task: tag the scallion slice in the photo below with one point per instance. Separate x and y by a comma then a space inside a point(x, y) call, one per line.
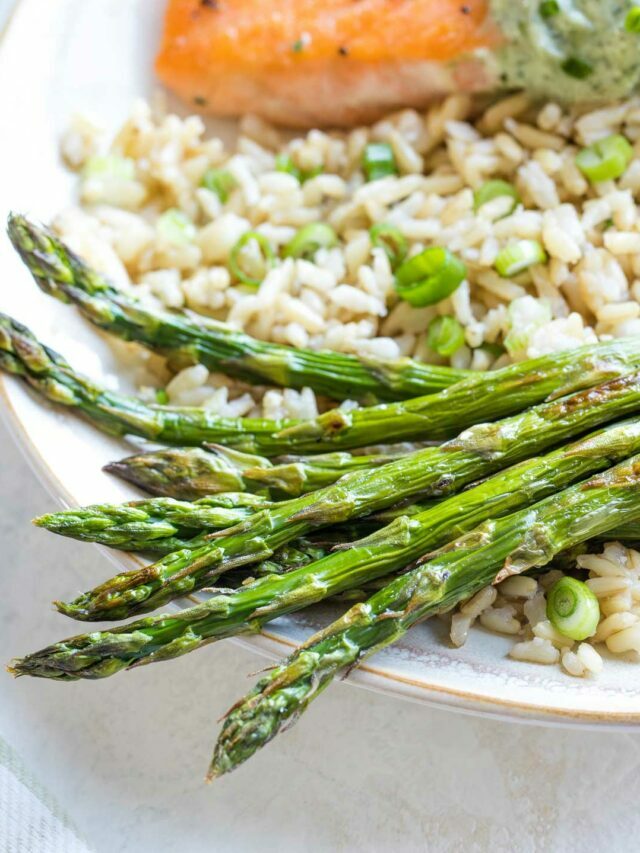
point(606, 159)
point(235, 258)
point(310, 238)
point(445, 335)
point(109, 166)
point(429, 277)
point(573, 609)
point(632, 21)
point(389, 238)
point(220, 182)
point(174, 227)
point(284, 163)
point(577, 68)
point(495, 189)
point(378, 161)
point(162, 398)
point(519, 256)
point(549, 8)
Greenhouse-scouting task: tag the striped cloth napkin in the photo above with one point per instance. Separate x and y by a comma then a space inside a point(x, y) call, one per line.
point(30, 819)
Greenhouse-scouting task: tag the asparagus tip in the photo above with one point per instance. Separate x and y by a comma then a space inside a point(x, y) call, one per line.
point(114, 468)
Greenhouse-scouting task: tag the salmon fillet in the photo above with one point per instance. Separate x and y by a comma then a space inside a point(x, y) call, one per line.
point(335, 62)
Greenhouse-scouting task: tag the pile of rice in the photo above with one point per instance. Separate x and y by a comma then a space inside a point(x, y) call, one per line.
point(517, 607)
point(344, 299)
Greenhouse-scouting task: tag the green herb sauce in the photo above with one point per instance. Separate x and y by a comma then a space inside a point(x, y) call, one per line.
point(570, 50)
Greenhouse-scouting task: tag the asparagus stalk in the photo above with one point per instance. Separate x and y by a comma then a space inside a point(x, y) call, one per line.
point(440, 415)
point(163, 525)
point(139, 525)
point(496, 549)
point(476, 453)
point(526, 538)
point(187, 338)
point(149, 539)
point(49, 374)
point(189, 473)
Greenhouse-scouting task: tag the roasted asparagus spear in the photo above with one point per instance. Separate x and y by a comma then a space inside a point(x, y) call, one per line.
point(188, 338)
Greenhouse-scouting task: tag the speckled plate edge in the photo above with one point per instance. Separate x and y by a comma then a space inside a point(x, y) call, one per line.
point(41, 433)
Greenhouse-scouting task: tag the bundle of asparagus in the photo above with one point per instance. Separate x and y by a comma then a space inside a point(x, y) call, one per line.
point(281, 529)
point(477, 452)
point(390, 549)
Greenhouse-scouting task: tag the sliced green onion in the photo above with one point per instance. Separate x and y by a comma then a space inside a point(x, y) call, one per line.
point(577, 68)
point(174, 227)
point(573, 609)
point(109, 166)
point(284, 163)
point(549, 8)
point(445, 335)
point(378, 161)
point(310, 238)
point(525, 315)
point(162, 398)
point(606, 159)
point(632, 21)
point(235, 258)
point(220, 182)
point(429, 277)
point(495, 189)
point(519, 256)
point(389, 238)
point(307, 174)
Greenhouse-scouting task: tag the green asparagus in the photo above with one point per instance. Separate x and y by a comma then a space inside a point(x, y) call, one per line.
point(163, 525)
point(189, 473)
point(137, 525)
point(496, 549)
point(477, 452)
point(187, 338)
point(529, 536)
point(485, 395)
point(49, 374)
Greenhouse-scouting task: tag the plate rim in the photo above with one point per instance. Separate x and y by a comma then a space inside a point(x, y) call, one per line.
point(273, 645)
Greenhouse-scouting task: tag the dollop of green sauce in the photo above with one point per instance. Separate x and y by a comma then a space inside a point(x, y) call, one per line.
point(568, 50)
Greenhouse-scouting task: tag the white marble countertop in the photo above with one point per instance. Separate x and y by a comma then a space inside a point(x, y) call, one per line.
point(360, 772)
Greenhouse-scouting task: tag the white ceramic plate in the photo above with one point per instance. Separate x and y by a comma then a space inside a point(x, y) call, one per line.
point(96, 57)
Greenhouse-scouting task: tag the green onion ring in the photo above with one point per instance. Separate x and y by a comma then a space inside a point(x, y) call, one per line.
point(606, 159)
point(389, 238)
point(378, 161)
point(310, 238)
point(519, 256)
point(429, 277)
point(234, 257)
point(495, 189)
point(573, 609)
point(445, 335)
